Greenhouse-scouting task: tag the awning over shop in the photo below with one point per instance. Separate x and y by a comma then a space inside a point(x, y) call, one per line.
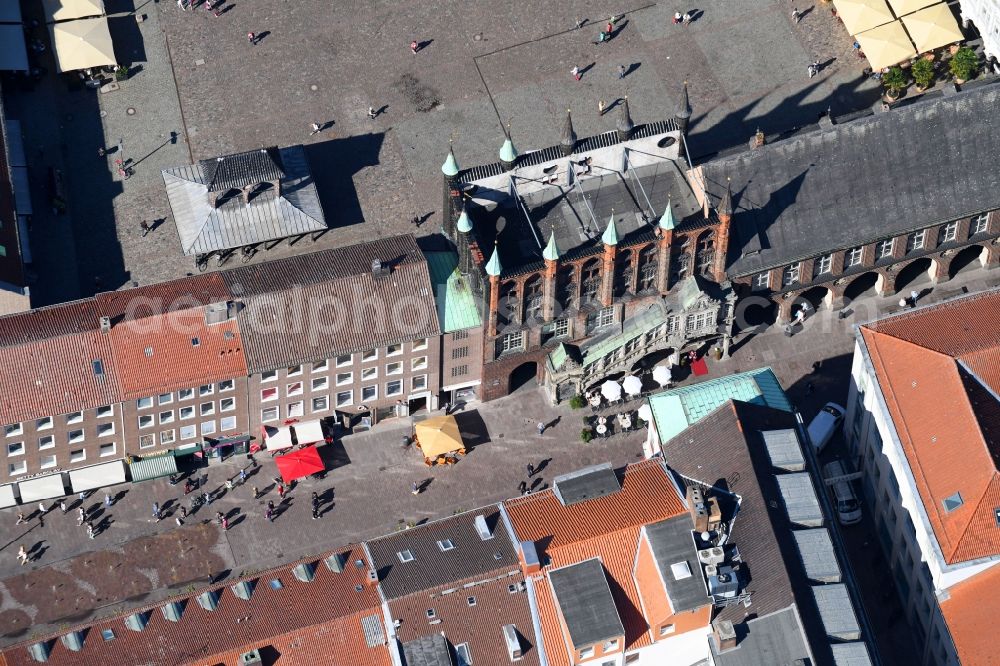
point(861, 15)
point(63, 10)
point(438, 435)
point(886, 45)
point(933, 27)
point(308, 432)
point(297, 464)
point(276, 439)
point(44, 487)
point(82, 44)
point(152, 468)
point(7, 496)
point(187, 449)
point(902, 7)
point(13, 54)
point(97, 476)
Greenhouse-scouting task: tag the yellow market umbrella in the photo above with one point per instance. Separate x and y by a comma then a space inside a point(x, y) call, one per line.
point(909, 6)
point(438, 435)
point(933, 27)
point(886, 45)
point(82, 44)
point(861, 15)
point(62, 10)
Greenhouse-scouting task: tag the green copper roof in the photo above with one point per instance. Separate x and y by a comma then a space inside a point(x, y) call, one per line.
point(464, 223)
point(450, 166)
point(610, 236)
point(551, 251)
point(558, 356)
point(677, 409)
point(508, 153)
point(667, 219)
point(493, 266)
point(456, 305)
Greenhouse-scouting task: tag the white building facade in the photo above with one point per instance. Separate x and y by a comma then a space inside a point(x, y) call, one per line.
point(985, 15)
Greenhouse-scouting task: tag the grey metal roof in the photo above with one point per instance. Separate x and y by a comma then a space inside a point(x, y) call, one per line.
point(586, 484)
point(853, 183)
point(800, 499)
point(784, 449)
point(430, 650)
point(203, 228)
point(472, 557)
point(671, 542)
point(851, 654)
point(818, 557)
point(771, 639)
point(586, 604)
point(837, 612)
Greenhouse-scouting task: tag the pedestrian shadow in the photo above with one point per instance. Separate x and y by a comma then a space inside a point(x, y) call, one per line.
point(424, 44)
point(37, 550)
point(631, 68)
point(424, 485)
point(542, 465)
point(261, 36)
point(584, 70)
point(327, 507)
point(237, 520)
point(104, 524)
point(95, 513)
point(382, 109)
point(538, 485)
point(226, 9)
point(553, 423)
point(805, 11)
point(618, 28)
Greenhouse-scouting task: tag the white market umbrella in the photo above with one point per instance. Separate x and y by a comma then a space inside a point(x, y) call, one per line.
point(632, 385)
point(63, 10)
point(82, 44)
point(646, 412)
point(932, 27)
point(611, 390)
point(662, 375)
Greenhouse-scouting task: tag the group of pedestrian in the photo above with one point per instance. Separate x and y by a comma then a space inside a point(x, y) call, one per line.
point(524, 488)
point(682, 19)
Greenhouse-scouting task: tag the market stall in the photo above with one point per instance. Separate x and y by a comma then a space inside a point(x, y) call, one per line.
point(439, 439)
point(299, 463)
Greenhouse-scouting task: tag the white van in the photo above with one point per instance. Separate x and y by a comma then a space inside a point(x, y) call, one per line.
point(845, 501)
point(824, 424)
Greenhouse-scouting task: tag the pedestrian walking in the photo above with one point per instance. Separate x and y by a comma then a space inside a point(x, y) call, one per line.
point(219, 517)
point(902, 302)
point(315, 129)
point(600, 107)
point(179, 520)
point(90, 530)
point(107, 500)
point(41, 507)
point(372, 113)
point(677, 18)
point(269, 512)
point(621, 71)
point(914, 295)
point(22, 555)
point(62, 506)
point(252, 38)
point(686, 19)
point(251, 460)
point(184, 512)
point(414, 488)
point(281, 491)
point(82, 516)
point(796, 16)
point(800, 316)
point(225, 524)
point(256, 492)
point(243, 476)
point(180, 3)
point(229, 484)
point(315, 506)
point(575, 72)
point(812, 70)
point(414, 47)
point(156, 510)
point(609, 28)
point(447, 408)
point(522, 487)
point(20, 518)
point(207, 497)
point(541, 427)
point(601, 37)
point(144, 225)
point(531, 470)
point(83, 495)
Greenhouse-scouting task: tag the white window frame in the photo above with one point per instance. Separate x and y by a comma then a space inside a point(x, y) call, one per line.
point(369, 393)
point(586, 652)
point(394, 368)
point(110, 411)
point(49, 442)
point(144, 403)
point(853, 257)
point(916, 240)
point(227, 423)
point(949, 232)
point(344, 378)
point(791, 274)
point(341, 363)
point(206, 389)
point(74, 417)
point(370, 355)
point(104, 452)
point(418, 363)
point(340, 402)
point(293, 371)
point(295, 409)
point(324, 400)
point(606, 317)
point(419, 345)
point(17, 468)
point(169, 414)
point(19, 444)
point(389, 392)
point(272, 390)
point(78, 455)
point(321, 366)
point(290, 389)
point(189, 431)
point(393, 350)
point(226, 385)
point(149, 419)
point(207, 428)
point(45, 462)
point(167, 437)
point(185, 413)
point(980, 224)
point(164, 398)
point(762, 280)
point(44, 423)
point(105, 429)
point(264, 414)
point(418, 383)
point(368, 374)
point(207, 408)
point(268, 376)
point(512, 341)
point(822, 265)
point(227, 404)
point(320, 383)
point(884, 248)
point(185, 394)
point(74, 436)
point(147, 440)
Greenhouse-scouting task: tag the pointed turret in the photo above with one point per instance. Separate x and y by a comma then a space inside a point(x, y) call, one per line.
point(568, 140)
point(667, 222)
point(725, 207)
point(450, 166)
point(464, 223)
point(683, 113)
point(625, 124)
point(551, 251)
point(610, 236)
point(508, 153)
point(493, 267)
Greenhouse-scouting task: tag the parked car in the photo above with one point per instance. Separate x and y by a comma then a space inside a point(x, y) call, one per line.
point(845, 501)
point(824, 424)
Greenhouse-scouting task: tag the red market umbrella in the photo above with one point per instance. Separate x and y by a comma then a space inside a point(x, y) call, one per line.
point(297, 464)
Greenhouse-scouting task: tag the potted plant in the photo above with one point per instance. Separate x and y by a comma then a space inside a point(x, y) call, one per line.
point(923, 74)
point(716, 352)
point(963, 64)
point(121, 73)
point(586, 435)
point(895, 82)
point(577, 402)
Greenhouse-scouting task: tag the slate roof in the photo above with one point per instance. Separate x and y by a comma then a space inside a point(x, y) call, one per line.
point(429, 650)
point(671, 542)
point(203, 227)
point(584, 597)
point(316, 306)
point(772, 639)
point(298, 620)
point(471, 558)
point(726, 449)
point(854, 183)
point(945, 360)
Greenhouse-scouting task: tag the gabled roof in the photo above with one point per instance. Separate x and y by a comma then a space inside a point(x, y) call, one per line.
point(937, 368)
point(241, 169)
point(853, 183)
point(305, 622)
point(970, 610)
point(434, 563)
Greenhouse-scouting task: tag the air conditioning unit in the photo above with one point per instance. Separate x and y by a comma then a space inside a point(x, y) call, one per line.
point(711, 555)
point(711, 570)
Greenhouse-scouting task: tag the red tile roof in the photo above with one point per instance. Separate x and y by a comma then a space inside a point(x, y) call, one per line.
point(936, 368)
point(304, 622)
point(970, 612)
point(606, 527)
point(48, 359)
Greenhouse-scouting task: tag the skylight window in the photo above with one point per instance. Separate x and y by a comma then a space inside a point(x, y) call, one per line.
point(108, 634)
point(446, 545)
point(195, 342)
point(98, 368)
point(952, 502)
point(996, 514)
point(149, 352)
point(431, 614)
point(471, 601)
point(359, 564)
point(405, 556)
point(276, 584)
point(681, 570)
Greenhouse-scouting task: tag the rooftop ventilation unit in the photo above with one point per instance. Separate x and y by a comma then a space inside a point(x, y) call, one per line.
point(482, 528)
point(378, 268)
point(304, 572)
point(712, 555)
point(244, 589)
point(725, 584)
point(513, 641)
point(725, 634)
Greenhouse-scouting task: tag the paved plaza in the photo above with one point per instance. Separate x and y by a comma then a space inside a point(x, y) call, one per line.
point(199, 89)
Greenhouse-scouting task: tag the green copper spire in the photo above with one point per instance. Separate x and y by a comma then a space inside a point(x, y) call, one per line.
point(667, 219)
point(464, 223)
point(450, 166)
point(493, 267)
point(610, 236)
point(551, 251)
point(508, 153)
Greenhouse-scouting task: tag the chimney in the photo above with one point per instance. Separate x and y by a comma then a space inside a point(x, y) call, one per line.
point(105, 324)
point(698, 508)
point(372, 577)
point(724, 634)
point(527, 555)
point(378, 268)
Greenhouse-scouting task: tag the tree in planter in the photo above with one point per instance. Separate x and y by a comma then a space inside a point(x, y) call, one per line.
point(923, 73)
point(964, 63)
point(895, 81)
point(577, 402)
point(121, 73)
point(586, 435)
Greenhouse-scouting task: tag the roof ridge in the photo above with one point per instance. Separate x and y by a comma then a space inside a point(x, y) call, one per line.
point(994, 484)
